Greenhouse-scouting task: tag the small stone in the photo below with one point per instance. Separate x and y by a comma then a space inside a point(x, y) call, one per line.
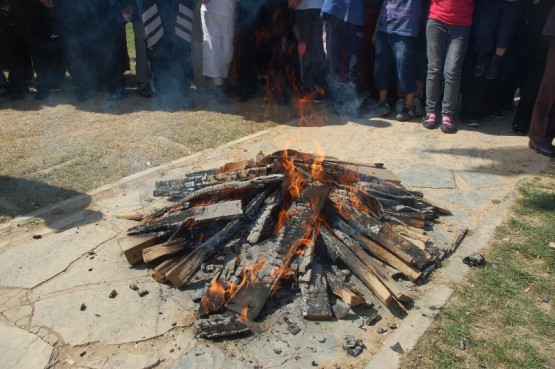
point(340, 309)
point(314, 363)
point(83, 353)
point(321, 338)
point(134, 287)
point(397, 348)
point(171, 350)
point(277, 351)
point(494, 267)
point(83, 307)
point(552, 245)
point(546, 300)
point(354, 351)
point(392, 325)
point(462, 345)
point(373, 319)
point(37, 236)
point(90, 269)
point(113, 294)
point(474, 260)
point(143, 293)
point(381, 330)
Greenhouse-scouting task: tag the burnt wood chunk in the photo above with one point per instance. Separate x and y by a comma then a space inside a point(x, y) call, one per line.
point(300, 220)
point(336, 248)
point(264, 224)
point(224, 210)
point(187, 267)
point(315, 304)
point(221, 326)
point(346, 293)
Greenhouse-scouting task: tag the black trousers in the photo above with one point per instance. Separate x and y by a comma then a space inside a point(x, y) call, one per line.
point(26, 42)
point(168, 27)
point(93, 34)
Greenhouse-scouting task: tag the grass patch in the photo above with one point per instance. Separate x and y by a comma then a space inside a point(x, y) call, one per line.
point(504, 313)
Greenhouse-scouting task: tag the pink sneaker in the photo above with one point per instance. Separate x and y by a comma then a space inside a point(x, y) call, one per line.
point(430, 121)
point(447, 125)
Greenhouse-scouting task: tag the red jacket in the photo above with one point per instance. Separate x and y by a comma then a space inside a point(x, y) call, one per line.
point(452, 12)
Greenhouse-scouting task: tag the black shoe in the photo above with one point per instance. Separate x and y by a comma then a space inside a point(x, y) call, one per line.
point(470, 121)
point(407, 113)
point(545, 148)
point(520, 131)
point(85, 94)
point(481, 64)
point(42, 94)
point(500, 114)
point(17, 95)
point(493, 67)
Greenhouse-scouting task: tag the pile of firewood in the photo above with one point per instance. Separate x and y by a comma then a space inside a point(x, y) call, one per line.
point(288, 217)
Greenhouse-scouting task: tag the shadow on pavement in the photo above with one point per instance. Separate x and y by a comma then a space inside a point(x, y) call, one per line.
point(25, 197)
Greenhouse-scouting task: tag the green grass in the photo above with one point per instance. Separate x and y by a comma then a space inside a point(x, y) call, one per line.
point(507, 307)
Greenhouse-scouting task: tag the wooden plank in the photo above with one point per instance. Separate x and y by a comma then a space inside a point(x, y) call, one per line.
point(372, 247)
point(381, 233)
point(223, 210)
point(338, 249)
point(301, 216)
point(132, 246)
point(346, 293)
point(375, 268)
point(165, 249)
point(315, 304)
point(159, 273)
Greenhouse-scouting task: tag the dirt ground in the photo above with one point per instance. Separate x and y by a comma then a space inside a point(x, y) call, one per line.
point(58, 148)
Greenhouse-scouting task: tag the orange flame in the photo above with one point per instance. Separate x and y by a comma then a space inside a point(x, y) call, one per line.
point(245, 314)
point(214, 299)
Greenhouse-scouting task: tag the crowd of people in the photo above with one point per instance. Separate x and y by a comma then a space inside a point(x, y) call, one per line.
point(435, 60)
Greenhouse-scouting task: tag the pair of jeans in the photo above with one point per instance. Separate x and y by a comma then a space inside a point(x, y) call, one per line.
point(311, 49)
point(495, 22)
point(447, 45)
point(400, 51)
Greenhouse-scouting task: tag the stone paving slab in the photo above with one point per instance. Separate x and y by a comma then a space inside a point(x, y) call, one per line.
point(33, 262)
point(43, 282)
point(22, 350)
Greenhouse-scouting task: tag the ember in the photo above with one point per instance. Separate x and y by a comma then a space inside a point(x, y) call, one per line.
point(284, 218)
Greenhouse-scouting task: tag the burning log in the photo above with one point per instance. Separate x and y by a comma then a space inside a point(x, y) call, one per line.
point(285, 218)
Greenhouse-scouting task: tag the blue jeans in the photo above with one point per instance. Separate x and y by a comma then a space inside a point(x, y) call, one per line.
point(393, 49)
point(447, 46)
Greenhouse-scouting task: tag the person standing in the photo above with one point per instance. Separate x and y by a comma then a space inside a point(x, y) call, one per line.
point(447, 32)
point(168, 27)
point(218, 29)
point(25, 36)
point(542, 126)
point(310, 48)
point(344, 29)
point(396, 41)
